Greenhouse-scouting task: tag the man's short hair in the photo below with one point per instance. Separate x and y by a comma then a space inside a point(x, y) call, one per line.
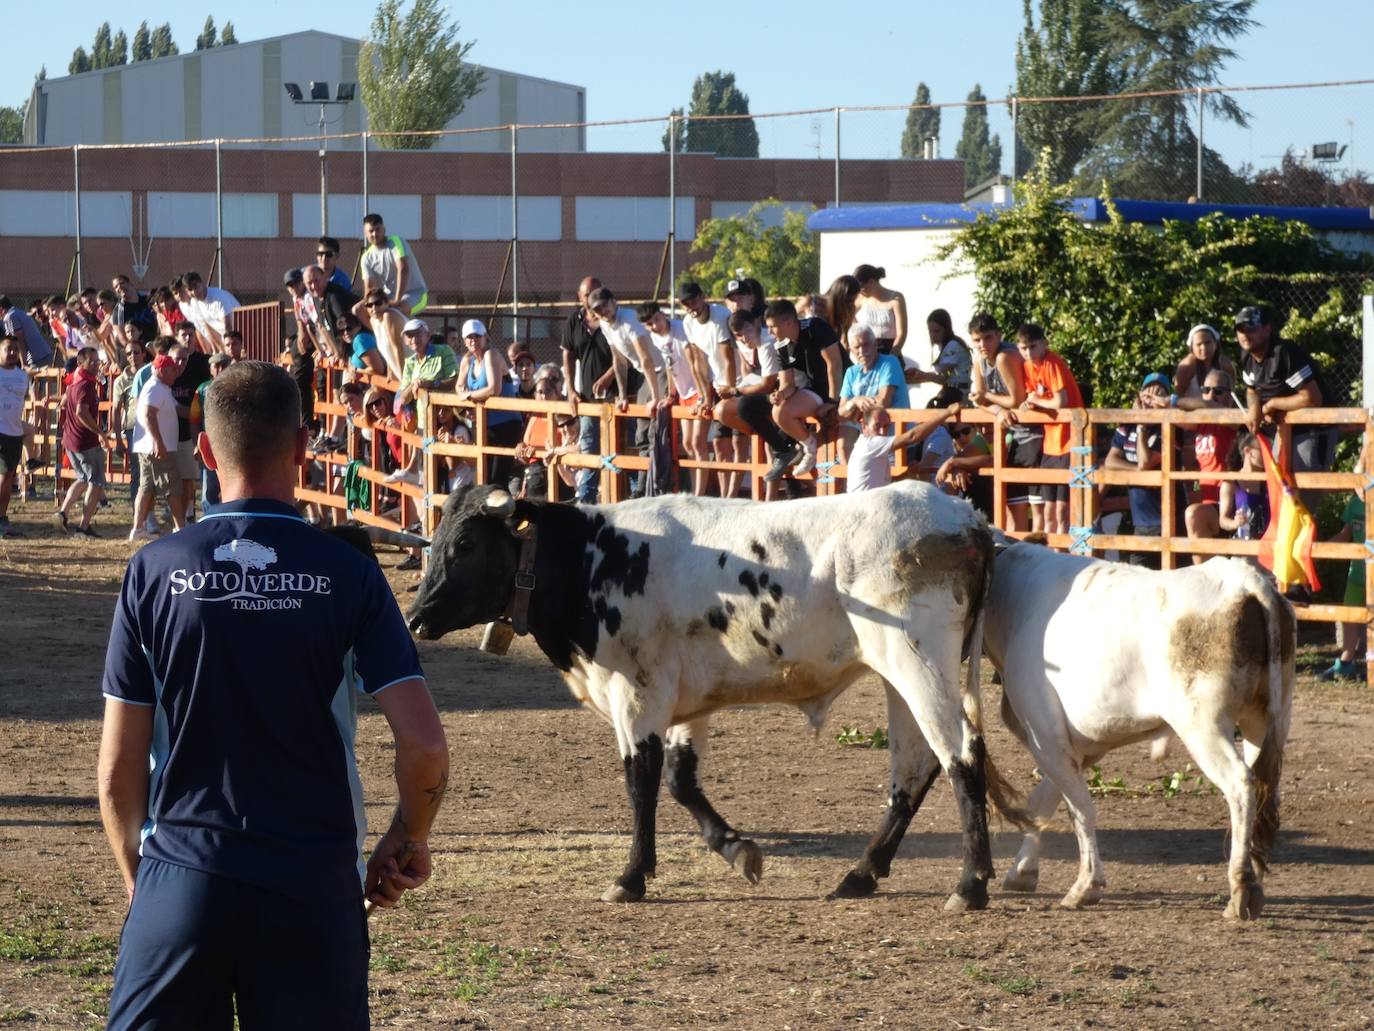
point(220, 360)
point(373, 219)
point(374, 295)
point(191, 279)
point(83, 352)
point(5, 303)
point(782, 308)
point(351, 389)
point(177, 285)
point(1030, 332)
point(648, 310)
point(186, 324)
point(690, 290)
point(107, 297)
point(163, 344)
point(601, 295)
point(739, 319)
point(252, 414)
point(121, 278)
point(233, 334)
point(983, 322)
point(859, 331)
point(329, 243)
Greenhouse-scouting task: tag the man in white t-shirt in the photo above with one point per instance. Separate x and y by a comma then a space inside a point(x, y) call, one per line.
point(155, 444)
point(638, 366)
point(686, 366)
point(14, 388)
point(706, 329)
point(208, 308)
point(870, 458)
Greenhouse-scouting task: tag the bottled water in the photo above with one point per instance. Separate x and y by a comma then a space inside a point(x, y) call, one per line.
point(1243, 531)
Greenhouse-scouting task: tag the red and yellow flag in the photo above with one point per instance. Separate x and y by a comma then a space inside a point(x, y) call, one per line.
point(1286, 549)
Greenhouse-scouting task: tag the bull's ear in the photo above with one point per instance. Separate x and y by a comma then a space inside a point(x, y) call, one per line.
point(499, 503)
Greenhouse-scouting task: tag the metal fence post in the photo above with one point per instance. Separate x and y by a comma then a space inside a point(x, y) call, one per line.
point(219, 218)
point(1199, 143)
point(837, 157)
point(514, 236)
point(1015, 143)
point(672, 214)
point(76, 183)
point(366, 136)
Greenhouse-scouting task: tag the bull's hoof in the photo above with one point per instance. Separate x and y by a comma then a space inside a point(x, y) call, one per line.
point(968, 898)
point(746, 857)
point(1076, 899)
point(627, 889)
point(855, 886)
point(1022, 880)
point(1245, 904)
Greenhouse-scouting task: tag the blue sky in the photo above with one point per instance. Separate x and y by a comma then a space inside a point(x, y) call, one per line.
point(639, 59)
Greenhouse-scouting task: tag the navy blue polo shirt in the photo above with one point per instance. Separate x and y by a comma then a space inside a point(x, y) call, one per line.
point(250, 634)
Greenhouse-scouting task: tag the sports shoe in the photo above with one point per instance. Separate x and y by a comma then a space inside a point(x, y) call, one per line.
point(87, 531)
point(36, 463)
point(1341, 670)
point(408, 563)
point(782, 461)
point(808, 459)
point(402, 476)
point(59, 519)
point(140, 535)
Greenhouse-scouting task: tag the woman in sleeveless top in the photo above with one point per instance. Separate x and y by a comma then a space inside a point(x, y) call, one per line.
point(881, 310)
point(1204, 355)
point(840, 300)
point(483, 374)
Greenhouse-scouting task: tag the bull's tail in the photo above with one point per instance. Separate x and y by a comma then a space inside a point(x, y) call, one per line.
point(1268, 765)
point(1003, 797)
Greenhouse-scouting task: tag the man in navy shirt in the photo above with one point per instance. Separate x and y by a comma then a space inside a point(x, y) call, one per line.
point(238, 650)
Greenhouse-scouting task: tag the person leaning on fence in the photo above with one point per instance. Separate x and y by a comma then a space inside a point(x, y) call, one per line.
point(1050, 389)
point(711, 360)
point(332, 303)
point(997, 386)
point(812, 373)
point(1213, 446)
point(685, 366)
point(155, 442)
point(958, 474)
point(433, 366)
point(387, 324)
point(881, 309)
point(640, 375)
point(589, 377)
point(362, 346)
point(1135, 448)
point(534, 452)
point(874, 381)
point(84, 442)
point(389, 264)
point(484, 374)
point(870, 459)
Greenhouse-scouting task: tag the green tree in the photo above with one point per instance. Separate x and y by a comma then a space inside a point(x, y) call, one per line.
point(922, 123)
point(143, 43)
point(784, 257)
point(227, 37)
point(80, 62)
point(412, 72)
point(101, 56)
point(11, 125)
point(715, 93)
point(678, 128)
point(1065, 55)
point(208, 38)
point(1147, 147)
point(162, 43)
point(119, 49)
point(982, 156)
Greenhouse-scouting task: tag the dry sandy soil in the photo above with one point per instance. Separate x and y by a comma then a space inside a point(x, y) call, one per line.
point(509, 932)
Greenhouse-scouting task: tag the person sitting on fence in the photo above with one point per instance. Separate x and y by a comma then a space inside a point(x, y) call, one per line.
point(1204, 355)
point(387, 324)
point(83, 441)
point(533, 453)
point(1136, 448)
point(1213, 446)
point(870, 459)
point(712, 361)
point(880, 309)
point(812, 373)
point(155, 442)
point(958, 474)
point(998, 387)
point(670, 337)
point(874, 381)
point(362, 345)
point(433, 366)
point(327, 258)
point(34, 348)
point(1050, 388)
point(483, 374)
point(332, 303)
point(745, 403)
point(389, 264)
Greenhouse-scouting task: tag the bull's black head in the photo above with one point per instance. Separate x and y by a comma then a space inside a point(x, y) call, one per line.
point(472, 562)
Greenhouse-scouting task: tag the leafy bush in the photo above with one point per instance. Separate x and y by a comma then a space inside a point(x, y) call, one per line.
point(786, 259)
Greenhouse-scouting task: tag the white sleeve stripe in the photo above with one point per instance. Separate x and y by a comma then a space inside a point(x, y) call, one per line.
point(129, 701)
point(1300, 377)
point(398, 680)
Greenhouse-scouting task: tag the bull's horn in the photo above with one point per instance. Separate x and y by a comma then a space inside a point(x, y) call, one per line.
point(499, 503)
point(396, 538)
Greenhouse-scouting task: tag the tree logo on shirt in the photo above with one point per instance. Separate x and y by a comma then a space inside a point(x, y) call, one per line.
point(252, 586)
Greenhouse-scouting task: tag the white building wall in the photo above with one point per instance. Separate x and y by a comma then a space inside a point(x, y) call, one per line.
point(152, 103)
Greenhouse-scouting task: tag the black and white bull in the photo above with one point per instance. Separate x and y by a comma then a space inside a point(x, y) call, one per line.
point(662, 611)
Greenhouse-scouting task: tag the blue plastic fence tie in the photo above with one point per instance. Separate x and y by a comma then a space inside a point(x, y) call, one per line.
point(1082, 449)
point(1081, 475)
point(1369, 547)
point(825, 479)
point(828, 465)
point(424, 444)
point(1080, 539)
point(608, 462)
point(1369, 483)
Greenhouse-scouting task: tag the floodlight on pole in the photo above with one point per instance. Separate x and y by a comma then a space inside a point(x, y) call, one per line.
point(319, 94)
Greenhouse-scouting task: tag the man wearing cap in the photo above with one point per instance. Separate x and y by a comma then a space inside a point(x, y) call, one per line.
point(332, 303)
point(587, 370)
point(1280, 377)
point(303, 306)
point(1136, 448)
point(432, 366)
point(155, 442)
point(388, 263)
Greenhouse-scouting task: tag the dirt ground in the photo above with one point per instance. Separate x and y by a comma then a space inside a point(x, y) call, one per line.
point(509, 932)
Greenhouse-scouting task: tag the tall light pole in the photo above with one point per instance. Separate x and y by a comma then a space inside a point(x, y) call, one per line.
point(319, 94)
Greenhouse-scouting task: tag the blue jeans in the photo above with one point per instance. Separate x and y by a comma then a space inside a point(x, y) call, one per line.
point(588, 442)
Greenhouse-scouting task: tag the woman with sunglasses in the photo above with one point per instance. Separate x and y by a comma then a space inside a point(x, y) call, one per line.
point(958, 474)
point(533, 452)
point(1214, 446)
point(388, 326)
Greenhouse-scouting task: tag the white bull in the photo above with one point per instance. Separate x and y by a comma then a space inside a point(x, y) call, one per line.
point(660, 612)
point(1095, 655)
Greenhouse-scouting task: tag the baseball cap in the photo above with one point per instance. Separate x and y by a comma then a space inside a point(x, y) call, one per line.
point(293, 275)
point(474, 328)
point(1157, 379)
point(1249, 317)
point(163, 360)
point(736, 286)
point(414, 326)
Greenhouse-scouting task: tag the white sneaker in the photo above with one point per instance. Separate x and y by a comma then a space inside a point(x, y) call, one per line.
point(808, 459)
point(402, 476)
point(140, 534)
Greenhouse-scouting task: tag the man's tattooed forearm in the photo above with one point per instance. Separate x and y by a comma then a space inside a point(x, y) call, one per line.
point(436, 793)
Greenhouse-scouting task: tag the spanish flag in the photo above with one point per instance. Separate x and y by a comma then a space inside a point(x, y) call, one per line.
point(1286, 549)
